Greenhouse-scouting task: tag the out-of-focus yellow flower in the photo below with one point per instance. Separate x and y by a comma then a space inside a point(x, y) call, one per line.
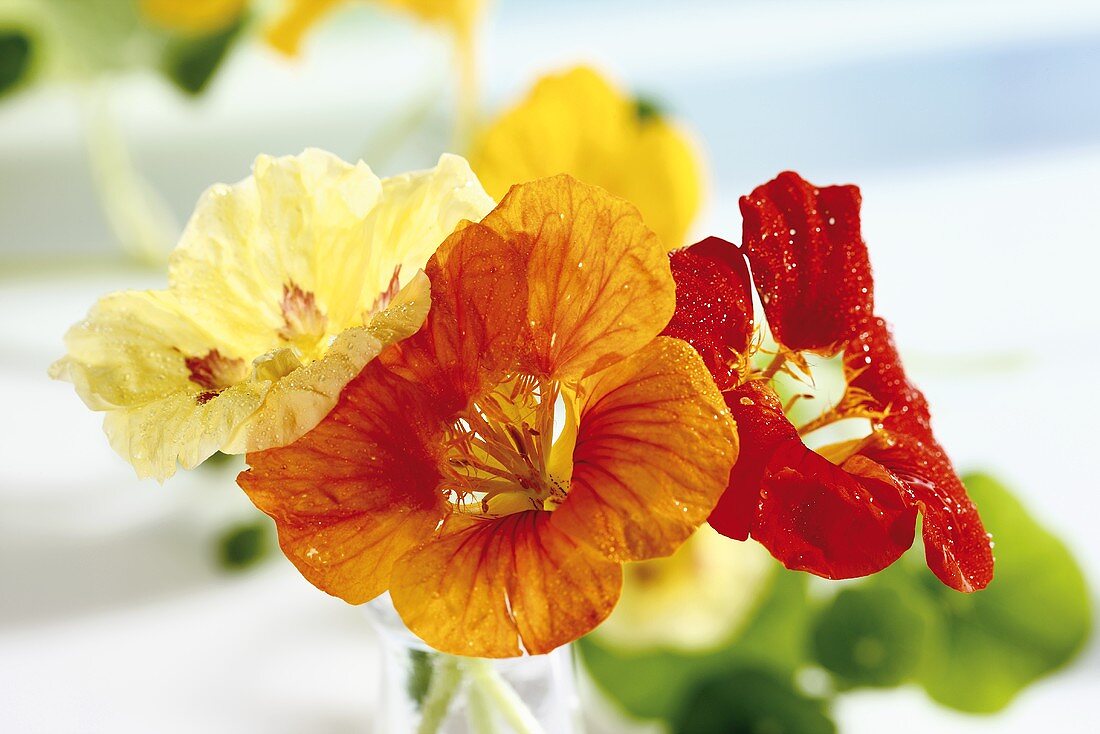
point(300, 15)
point(283, 287)
point(578, 123)
point(693, 600)
point(193, 16)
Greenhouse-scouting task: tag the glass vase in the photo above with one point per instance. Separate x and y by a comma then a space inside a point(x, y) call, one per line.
point(428, 692)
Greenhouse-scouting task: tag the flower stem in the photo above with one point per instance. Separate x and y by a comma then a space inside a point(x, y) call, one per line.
point(502, 696)
point(446, 677)
point(138, 215)
point(479, 712)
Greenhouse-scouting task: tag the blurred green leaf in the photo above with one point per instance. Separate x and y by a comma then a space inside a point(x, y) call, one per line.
point(1032, 619)
point(652, 684)
point(750, 701)
point(420, 674)
point(245, 545)
point(190, 62)
point(872, 635)
point(16, 52)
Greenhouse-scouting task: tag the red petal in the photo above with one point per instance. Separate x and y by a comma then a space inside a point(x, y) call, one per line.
point(833, 521)
point(809, 261)
point(713, 306)
point(955, 542)
point(761, 427)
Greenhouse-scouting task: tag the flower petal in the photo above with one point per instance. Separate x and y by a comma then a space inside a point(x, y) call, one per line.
point(498, 587)
point(359, 490)
point(761, 428)
point(475, 330)
point(283, 227)
point(714, 306)
point(956, 544)
point(599, 282)
point(809, 261)
point(654, 449)
point(833, 521)
point(578, 122)
point(129, 357)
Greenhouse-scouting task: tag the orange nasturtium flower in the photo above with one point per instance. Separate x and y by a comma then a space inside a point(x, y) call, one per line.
point(282, 287)
point(438, 476)
point(290, 27)
point(578, 123)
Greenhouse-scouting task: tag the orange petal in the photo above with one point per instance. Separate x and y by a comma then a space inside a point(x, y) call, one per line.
point(356, 492)
point(599, 279)
point(475, 331)
point(497, 587)
point(654, 450)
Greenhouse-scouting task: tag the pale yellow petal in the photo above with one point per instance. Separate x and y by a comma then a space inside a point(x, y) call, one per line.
point(414, 215)
point(282, 289)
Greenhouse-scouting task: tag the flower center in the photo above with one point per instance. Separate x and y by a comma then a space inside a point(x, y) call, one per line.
point(303, 322)
point(502, 456)
point(214, 372)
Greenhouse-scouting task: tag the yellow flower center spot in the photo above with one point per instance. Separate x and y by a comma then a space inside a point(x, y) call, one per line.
point(303, 322)
point(502, 456)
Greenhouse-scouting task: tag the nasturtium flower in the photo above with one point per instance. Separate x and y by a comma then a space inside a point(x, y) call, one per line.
point(845, 509)
point(299, 16)
point(438, 476)
point(193, 16)
point(282, 288)
point(578, 123)
point(693, 601)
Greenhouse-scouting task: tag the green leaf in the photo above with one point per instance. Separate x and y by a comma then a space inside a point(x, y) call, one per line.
point(872, 635)
point(16, 53)
point(750, 701)
point(190, 62)
point(245, 545)
point(421, 665)
point(1032, 619)
point(652, 683)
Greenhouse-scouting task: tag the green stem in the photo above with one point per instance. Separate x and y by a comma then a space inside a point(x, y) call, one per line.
point(441, 692)
point(138, 215)
point(479, 712)
point(502, 696)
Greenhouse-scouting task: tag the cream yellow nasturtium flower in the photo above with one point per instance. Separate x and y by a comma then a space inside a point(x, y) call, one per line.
point(193, 16)
point(578, 123)
point(286, 33)
point(694, 600)
point(283, 287)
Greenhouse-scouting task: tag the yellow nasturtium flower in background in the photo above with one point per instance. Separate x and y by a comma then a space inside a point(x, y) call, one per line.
point(283, 287)
point(696, 599)
point(299, 16)
point(578, 123)
point(193, 16)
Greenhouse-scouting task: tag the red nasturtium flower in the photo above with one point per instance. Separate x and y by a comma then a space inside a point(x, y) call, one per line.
point(437, 476)
point(847, 509)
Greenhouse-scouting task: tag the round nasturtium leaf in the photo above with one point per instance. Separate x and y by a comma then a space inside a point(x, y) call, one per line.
point(750, 701)
point(1032, 619)
point(16, 51)
point(871, 635)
